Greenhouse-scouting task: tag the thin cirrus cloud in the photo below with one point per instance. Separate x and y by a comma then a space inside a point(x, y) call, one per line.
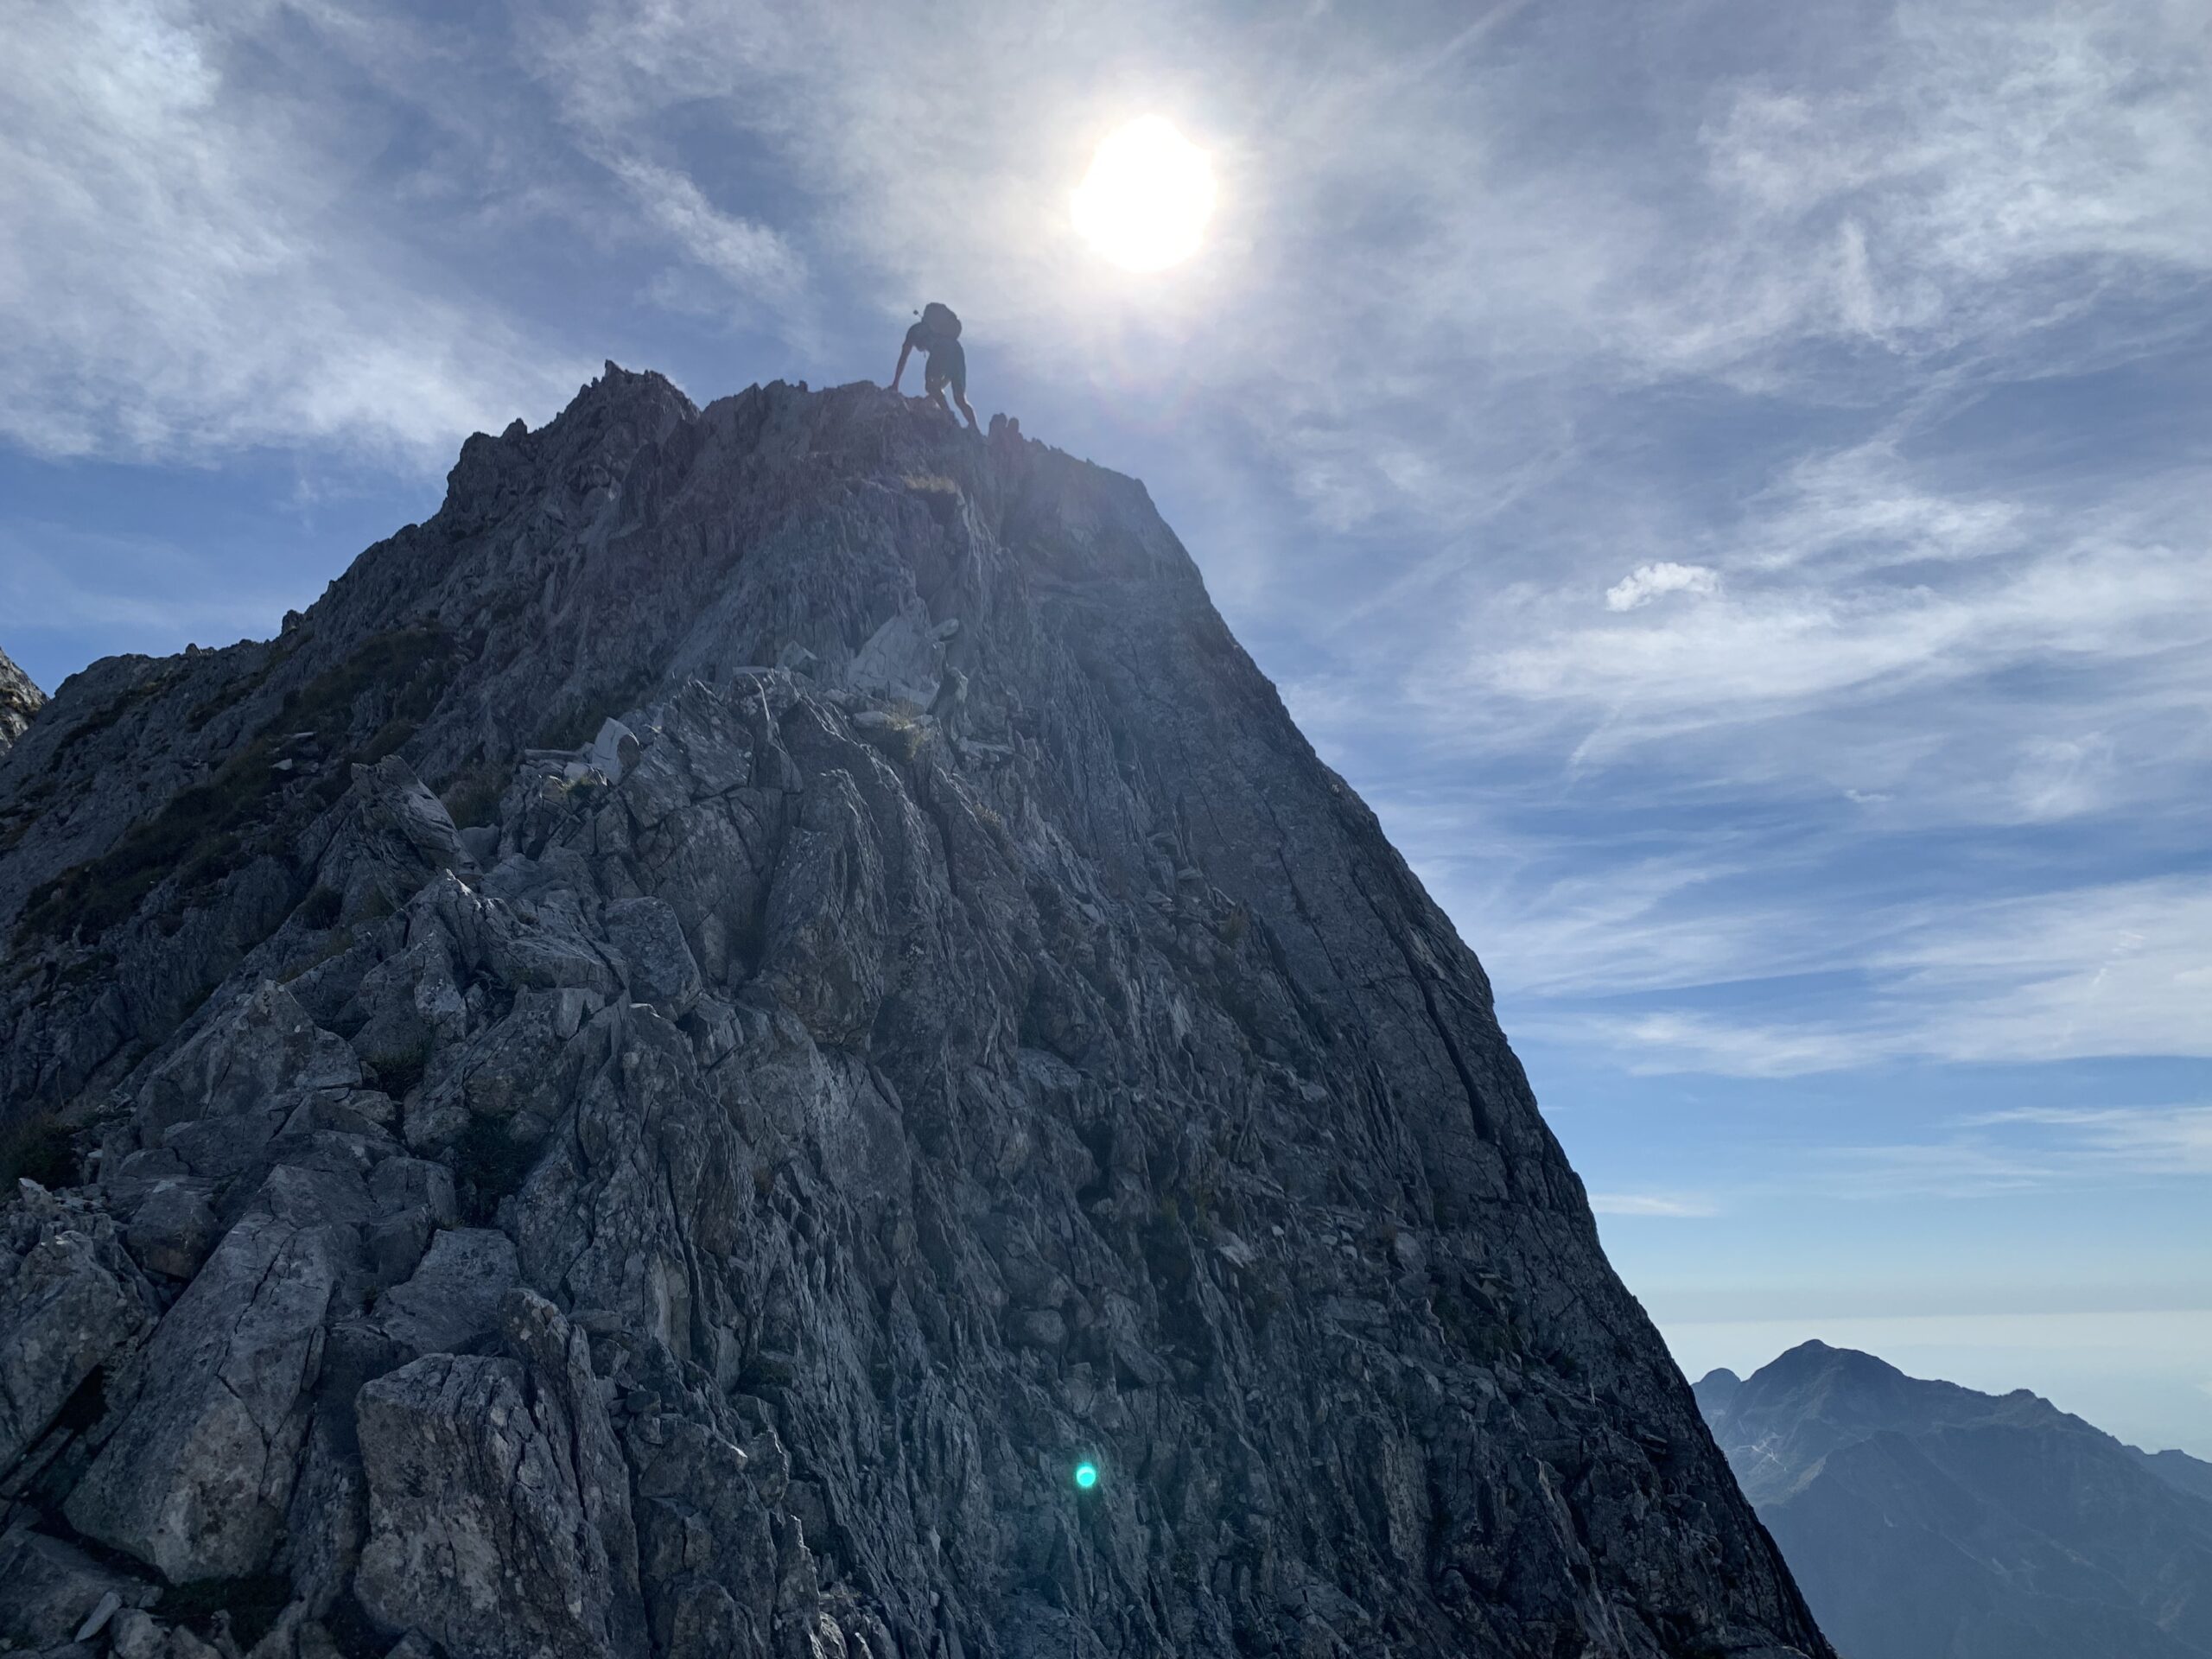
point(2117, 583)
point(1735, 504)
point(179, 280)
point(2131, 1140)
point(2031, 1150)
point(1602, 431)
point(744, 253)
point(2102, 972)
point(1666, 1205)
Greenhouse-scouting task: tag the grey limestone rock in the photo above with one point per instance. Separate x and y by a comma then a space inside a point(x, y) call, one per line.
point(499, 1505)
point(195, 1477)
point(19, 701)
point(451, 1300)
point(901, 660)
point(136, 1635)
point(72, 1303)
point(649, 937)
point(711, 1204)
point(395, 834)
point(239, 1063)
point(173, 1229)
point(50, 1591)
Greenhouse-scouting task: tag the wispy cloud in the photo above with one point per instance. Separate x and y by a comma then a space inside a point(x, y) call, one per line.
point(2029, 1150)
point(1951, 1169)
point(1648, 582)
point(178, 277)
point(1659, 1043)
point(2132, 1139)
point(1669, 1205)
point(1780, 643)
point(1601, 453)
point(2108, 971)
point(750, 257)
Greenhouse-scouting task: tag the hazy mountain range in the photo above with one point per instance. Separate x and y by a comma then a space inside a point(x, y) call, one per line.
point(1925, 1521)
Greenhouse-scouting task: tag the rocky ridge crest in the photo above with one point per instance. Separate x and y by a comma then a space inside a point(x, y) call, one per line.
point(654, 1072)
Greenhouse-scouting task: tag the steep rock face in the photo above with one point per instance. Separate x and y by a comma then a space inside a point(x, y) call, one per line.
point(19, 701)
point(1929, 1522)
point(756, 990)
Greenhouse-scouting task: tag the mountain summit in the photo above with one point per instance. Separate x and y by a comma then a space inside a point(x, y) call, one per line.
point(660, 1070)
point(1929, 1522)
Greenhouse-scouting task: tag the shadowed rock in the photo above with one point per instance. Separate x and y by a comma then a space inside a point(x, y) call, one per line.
point(821, 906)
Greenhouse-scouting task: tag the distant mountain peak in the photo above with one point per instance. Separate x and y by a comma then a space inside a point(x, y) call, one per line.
point(1716, 1390)
point(1928, 1520)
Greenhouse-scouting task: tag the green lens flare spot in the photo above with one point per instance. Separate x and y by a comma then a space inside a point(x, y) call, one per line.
point(1086, 1475)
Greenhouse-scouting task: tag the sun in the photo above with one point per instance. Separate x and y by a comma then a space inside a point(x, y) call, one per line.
point(1147, 198)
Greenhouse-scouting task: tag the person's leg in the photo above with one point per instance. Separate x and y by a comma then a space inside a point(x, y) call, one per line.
point(934, 382)
point(956, 370)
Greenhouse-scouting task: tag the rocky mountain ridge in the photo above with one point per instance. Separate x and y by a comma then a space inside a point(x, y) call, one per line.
point(656, 1070)
point(19, 701)
point(1926, 1521)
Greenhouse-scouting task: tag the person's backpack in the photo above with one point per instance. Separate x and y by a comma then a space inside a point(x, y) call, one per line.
point(939, 321)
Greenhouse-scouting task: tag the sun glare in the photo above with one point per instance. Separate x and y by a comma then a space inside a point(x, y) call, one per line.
point(1145, 201)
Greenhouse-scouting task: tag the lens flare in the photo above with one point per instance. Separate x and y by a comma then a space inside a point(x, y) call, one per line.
point(1086, 1475)
point(1147, 198)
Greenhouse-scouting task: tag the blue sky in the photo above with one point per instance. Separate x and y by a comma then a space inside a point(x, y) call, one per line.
point(1727, 481)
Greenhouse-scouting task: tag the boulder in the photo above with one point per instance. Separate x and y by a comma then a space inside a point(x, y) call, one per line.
point(50, 1591)
point(400, 1184)
point(173, 1229)
point(499, 1511)
point(900, 660)
point(195, 1477)
point(661, 967)
point(261, 1046)
point(393, 836)
point(453, 1299)
point(71, 1303)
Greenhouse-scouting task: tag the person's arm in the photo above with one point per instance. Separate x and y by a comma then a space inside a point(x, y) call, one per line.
point(905, 350)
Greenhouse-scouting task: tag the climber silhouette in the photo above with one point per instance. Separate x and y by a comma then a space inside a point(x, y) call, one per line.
point(937, 336)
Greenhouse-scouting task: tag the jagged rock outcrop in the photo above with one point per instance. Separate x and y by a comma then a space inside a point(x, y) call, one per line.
point(1927, 1521)
point(706, 1025)
point(19, 701)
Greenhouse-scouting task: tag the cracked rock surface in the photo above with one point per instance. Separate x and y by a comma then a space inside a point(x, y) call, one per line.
point(19, 701)
point(653, 1073)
